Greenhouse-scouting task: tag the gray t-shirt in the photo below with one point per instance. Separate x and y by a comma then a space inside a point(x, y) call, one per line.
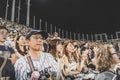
point(107, 75)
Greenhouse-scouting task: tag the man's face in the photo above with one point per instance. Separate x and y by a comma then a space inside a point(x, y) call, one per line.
point(36, 42)
point(3, 35)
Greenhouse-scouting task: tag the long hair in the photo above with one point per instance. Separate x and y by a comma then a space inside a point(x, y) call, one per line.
point(52, 47)
point(66, 53)
point(18, 47)
point(104, 58)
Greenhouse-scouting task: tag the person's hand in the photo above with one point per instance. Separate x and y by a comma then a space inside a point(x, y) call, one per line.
point(14, 58)
point(84, 56)
point(35, 75)
point(95, 49)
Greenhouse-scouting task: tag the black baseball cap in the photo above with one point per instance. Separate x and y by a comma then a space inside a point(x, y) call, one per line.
point(33, 32)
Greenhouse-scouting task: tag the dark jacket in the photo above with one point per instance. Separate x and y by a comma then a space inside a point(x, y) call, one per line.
point(8, 69)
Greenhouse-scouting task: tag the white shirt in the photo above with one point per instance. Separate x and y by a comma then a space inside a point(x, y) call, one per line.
point(22, 67)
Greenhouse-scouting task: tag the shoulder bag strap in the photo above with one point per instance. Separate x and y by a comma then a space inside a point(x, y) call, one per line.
point(30, 62)
point(3, 65)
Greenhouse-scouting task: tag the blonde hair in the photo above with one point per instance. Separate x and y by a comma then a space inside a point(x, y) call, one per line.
point(104, 58)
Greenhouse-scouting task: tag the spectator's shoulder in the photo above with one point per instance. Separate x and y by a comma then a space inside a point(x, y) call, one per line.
point(9, 61)
point(107, 75)
point(47, 54)
point(21, 60)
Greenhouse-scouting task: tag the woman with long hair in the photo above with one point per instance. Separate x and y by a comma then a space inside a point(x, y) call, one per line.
point(20, 46)
point(106, 59)
point(56, 49)
point(72, 66)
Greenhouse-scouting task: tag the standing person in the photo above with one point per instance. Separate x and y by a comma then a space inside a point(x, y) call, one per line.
point(7, 71)
point(6, 51)
point(38, 63)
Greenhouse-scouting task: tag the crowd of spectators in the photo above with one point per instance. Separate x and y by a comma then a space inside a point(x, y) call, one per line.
point(27, 54)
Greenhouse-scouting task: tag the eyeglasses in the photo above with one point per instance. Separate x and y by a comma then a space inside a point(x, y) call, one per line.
point(38, 37)
point(4, 33)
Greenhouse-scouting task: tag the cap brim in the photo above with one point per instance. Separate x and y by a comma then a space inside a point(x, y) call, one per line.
point(43, 33)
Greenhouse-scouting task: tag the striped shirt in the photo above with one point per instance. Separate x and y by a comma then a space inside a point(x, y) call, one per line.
point(22, 68)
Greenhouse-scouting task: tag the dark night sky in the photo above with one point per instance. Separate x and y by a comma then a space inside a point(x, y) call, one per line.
point(84, 16)
point(80, 15)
